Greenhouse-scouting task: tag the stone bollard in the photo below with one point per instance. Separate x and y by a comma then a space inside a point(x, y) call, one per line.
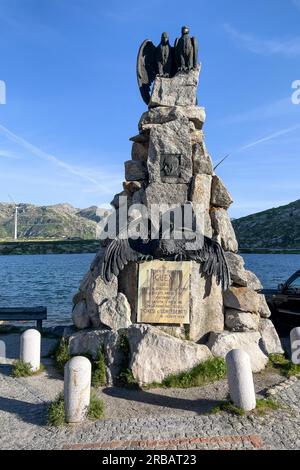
point(77, 388)
point(240, 379)
point(30, 348)
point(295, 345)
point(2, 352)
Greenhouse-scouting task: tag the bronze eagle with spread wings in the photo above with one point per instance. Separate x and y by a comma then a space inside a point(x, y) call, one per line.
point(183, 245)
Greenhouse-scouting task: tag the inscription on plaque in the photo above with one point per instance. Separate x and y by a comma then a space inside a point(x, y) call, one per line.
point(164, 292)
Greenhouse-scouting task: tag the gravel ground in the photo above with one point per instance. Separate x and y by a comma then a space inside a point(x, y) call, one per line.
point(159, 418)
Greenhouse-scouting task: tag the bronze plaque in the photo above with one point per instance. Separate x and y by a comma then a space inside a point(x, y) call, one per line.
point(164, 292)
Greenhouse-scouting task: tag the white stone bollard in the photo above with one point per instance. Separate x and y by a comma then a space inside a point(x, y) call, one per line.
point(240, 379)
point(77, 388)
point(30, 348)
point(295, 345)
point(2, 352)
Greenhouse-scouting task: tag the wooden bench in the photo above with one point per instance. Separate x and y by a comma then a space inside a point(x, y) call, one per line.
point(37, 314)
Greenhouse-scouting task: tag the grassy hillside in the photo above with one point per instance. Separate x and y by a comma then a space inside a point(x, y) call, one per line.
point(59, 221)
point(274, 229)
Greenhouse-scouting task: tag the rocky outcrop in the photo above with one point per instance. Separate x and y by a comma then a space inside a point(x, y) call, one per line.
point(223, 230)
point(202, 163)
point(246, 300)
point(178, 91)
point(92, 341)
point(220, 344)
point(135, 170)
point(164, 114)
point(170, 140)
point(238, 273)
point(115, 313)
point(200, 194)
point(80, 316)
point(270, 341)
point(169, 193)
point(155, 355)
point(238, 321)
point(139, 152)
point(93, 292)
point(220, 197)
point(207, 311)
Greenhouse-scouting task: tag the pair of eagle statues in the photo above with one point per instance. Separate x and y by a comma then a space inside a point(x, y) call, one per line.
point(165, 60)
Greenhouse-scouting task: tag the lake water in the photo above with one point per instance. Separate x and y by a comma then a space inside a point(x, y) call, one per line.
point(52, 280)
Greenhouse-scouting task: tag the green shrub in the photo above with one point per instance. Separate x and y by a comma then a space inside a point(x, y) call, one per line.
point(62, 355)
point(123, 343)
point(262, 408)
point(56, 412)
point(99, 370)
point(96, 408)
point(207, 372)
point(187, 333)
point(125, 378)
point(284, 365)
point(23, 369)
point(228, 407)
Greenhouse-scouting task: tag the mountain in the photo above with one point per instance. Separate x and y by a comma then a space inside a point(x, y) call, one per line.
point(59, 221)
point(273, 229)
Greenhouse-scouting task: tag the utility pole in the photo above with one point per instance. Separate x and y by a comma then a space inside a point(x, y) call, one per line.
point(16, 218)
point(16, 223)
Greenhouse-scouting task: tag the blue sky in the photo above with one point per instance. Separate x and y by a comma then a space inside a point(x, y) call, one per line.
point(72, 99)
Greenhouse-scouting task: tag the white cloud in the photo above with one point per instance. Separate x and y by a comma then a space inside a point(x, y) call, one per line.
point(284, 47)
point(104, 188)
point(268, 138)
point(8, 154)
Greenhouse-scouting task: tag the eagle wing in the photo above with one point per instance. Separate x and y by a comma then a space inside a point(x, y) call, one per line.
point(176, 55)
point(118, 254)
point(195, 51)
point(146, 68)
point(213, 260)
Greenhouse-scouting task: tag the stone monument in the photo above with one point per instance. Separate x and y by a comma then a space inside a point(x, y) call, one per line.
point(179, 306)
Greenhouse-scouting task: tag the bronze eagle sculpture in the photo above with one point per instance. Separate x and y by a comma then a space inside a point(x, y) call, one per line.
point(184, 245)
point(165, 60)
point(153, 61)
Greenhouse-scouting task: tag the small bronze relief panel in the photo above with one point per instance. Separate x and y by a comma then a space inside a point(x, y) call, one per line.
point(170, 168)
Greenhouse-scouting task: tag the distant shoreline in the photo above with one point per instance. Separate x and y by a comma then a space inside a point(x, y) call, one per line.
point(269, 251)
point(38, 247)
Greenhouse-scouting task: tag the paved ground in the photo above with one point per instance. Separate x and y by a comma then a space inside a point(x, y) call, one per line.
point(157, 419)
